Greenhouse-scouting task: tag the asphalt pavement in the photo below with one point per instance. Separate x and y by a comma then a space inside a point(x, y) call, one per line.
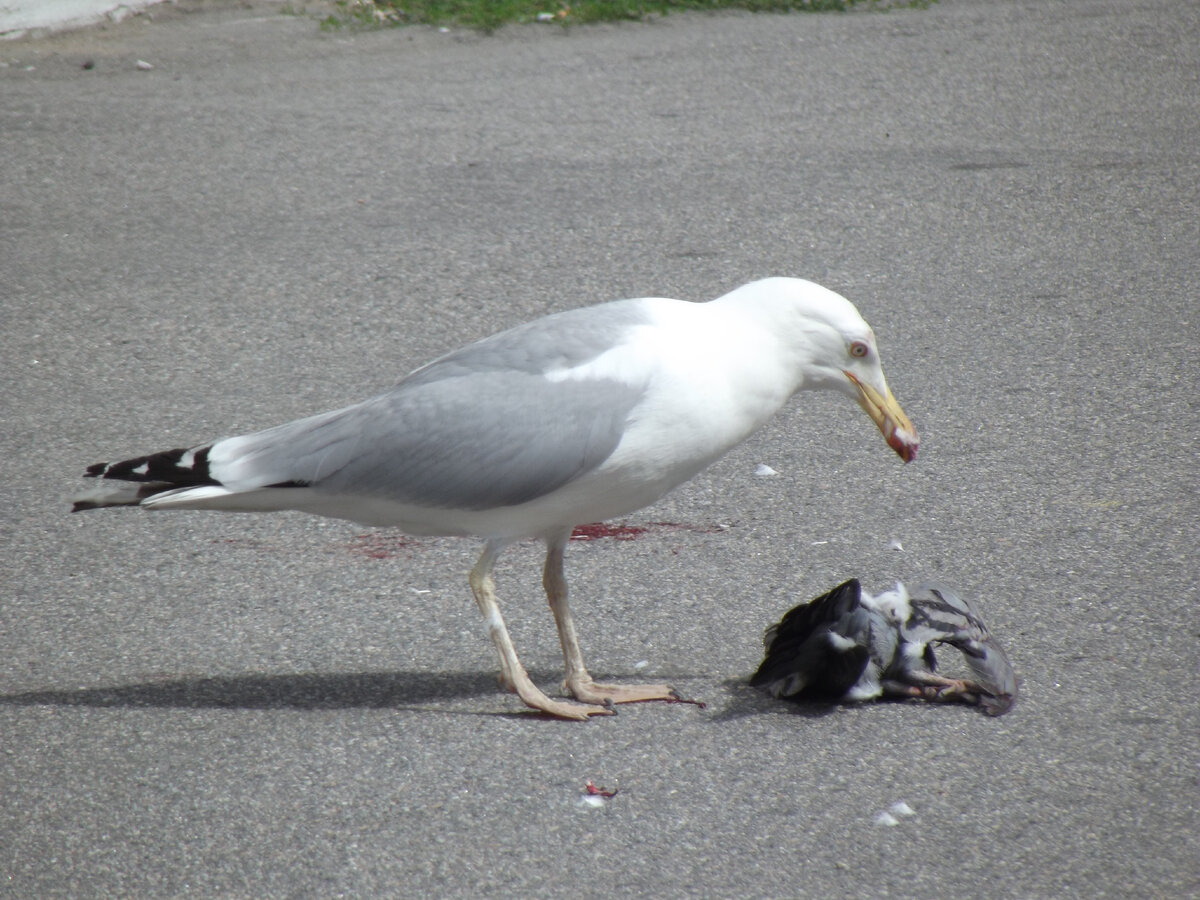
point(266, 220)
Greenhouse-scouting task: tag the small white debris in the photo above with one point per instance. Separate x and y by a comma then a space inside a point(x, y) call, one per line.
point(894, 813)
point(764, 471)
point(640, 664)
point(545, 17)
point(592, 801)
point(817, 543)
point(895, 544)
point(443, 30)
point(420, 591)
point(143, 65)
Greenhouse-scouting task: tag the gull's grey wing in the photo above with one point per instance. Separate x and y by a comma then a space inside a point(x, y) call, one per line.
point(457, 444)
point(557, 342)
point(479, 428)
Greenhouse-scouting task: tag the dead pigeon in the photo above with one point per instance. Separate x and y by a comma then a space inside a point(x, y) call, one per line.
point(848, 645)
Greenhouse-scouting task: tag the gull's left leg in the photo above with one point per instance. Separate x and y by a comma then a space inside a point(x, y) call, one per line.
point(577, 681)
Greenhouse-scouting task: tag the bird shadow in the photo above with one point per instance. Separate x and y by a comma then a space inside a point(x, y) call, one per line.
point(749, 701)
point(355, 690)
point(306, 691)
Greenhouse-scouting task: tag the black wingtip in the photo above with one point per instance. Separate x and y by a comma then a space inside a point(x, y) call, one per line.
point(129, 482)
point(180, 467)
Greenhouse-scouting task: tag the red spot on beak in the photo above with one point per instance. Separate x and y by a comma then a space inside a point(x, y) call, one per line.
point(905, 447)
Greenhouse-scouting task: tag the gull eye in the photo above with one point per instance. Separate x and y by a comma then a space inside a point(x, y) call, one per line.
point(859, 348)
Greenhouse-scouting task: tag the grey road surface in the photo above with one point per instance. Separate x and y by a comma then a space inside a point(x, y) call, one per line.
point(275, 220)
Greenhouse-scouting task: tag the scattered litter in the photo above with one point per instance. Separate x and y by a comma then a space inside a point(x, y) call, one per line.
point(764, 471)
point(817, 543)
point(592, 801)
point(640, 664)
point(143, 65)
point(894, 813)
point(895, 544)
point(420, 590)
point(545, 17)
point(443, 30)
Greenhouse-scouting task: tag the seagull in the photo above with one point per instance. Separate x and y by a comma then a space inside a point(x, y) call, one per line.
point(571, 419)
point(850, 645)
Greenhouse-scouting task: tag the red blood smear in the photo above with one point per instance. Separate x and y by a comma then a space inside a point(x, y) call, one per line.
point(633, 532)
point(594, 791)
point(387, 546)
point(604, 530)
point(376, 546)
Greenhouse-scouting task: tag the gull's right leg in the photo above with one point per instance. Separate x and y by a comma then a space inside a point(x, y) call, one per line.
point(512, 673)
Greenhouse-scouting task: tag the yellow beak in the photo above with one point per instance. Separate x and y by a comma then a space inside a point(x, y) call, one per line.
point(888, 417)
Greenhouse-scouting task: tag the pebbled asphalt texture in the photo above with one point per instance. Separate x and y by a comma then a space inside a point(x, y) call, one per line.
point(274, 220)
